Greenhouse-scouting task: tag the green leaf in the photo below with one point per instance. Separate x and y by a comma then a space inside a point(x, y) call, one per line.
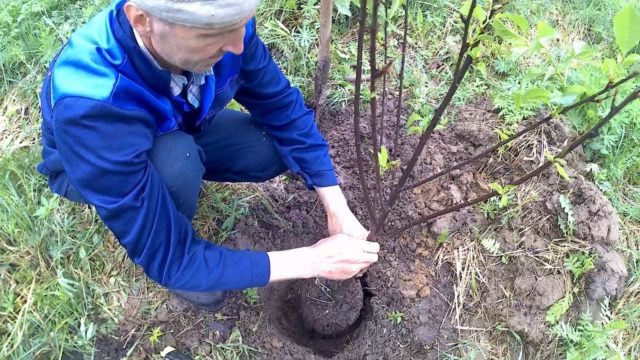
point(507, 34)
point(549, 157)
point(155, 335)
point(68, 286)
point(558, 309)
point(383, 160)
point(626, 27)
point(582, 51)
point(576, 89)
point(383, 157)
point(415, 130)
point(565, 99)
point(519, 20)
point(412, 119)
point(570, 95)
point(484, 38)
point(482, 67)
point(11, 111)
point(475, 52)
point(617, 325)
point(478, 12)
point(228, 223)
point(545, 31)
point(504, 201)
point(492, 246)
point(630, 60)
point(561, 171)
point(533, 73)
point(343, 7)
point(537, 94)
point(610, 68)
point(579, 263)
point(497, 188)
point(443, 237)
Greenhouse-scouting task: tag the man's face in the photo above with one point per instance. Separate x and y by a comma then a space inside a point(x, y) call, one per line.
point(178, 47)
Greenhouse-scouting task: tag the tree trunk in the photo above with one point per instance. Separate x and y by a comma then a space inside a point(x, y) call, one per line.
point(324, 56)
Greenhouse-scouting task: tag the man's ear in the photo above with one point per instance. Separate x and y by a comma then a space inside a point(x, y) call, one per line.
point(139, 19)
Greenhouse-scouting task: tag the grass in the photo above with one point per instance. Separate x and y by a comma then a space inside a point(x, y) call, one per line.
point(63, 277)
point(54, 299)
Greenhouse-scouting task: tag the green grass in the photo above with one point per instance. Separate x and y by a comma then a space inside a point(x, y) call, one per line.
point(64, 279)
point(61, 276)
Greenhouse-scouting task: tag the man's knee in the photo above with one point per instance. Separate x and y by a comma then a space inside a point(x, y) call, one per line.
point(179, 161)
point(266, 163)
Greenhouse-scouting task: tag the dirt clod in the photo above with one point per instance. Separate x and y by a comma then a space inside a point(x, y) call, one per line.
point(548, 290)
point(329, 307)
point(596, 220)
point(608, 278)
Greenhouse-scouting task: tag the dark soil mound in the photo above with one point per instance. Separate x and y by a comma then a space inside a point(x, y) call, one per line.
point(330, 308)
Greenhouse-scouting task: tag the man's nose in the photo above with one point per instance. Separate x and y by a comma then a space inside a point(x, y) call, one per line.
point(236, 46)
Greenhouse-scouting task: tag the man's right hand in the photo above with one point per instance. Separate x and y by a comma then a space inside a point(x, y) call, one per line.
point(337, 257)
point(341, 257)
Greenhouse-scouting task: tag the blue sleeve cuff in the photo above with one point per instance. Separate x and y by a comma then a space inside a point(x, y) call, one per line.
point(261, 268)
point(321, 179)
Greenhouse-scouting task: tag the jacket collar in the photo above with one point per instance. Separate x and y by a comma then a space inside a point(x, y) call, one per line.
point(157, 78)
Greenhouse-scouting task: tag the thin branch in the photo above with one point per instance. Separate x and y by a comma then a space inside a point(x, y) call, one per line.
point(401, 77)
point(356, 112)
point(384, 75)
point(635, 95)
point(373, 35)
point(465, 38)
point(592, 98)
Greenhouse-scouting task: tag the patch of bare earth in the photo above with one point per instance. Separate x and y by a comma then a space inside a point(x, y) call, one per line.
point(456, 296)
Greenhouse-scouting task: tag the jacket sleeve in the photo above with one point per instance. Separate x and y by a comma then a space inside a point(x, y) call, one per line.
point(278, 106)
point(104, 151)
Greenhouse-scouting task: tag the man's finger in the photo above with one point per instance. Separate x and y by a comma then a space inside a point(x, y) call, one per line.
point(370, 247)
point(362, 272)
point(369, 258)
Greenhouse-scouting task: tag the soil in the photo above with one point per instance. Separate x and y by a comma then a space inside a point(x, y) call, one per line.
point(330, 308)
point(451, 292)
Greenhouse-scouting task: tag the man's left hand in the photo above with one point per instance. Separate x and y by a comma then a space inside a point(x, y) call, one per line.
point(340, 219)
point(344, 222)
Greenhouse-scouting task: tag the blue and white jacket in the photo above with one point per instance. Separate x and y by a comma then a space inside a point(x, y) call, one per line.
point(104, 104)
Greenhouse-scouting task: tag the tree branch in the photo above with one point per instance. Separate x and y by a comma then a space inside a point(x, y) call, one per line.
point(356, 112)
point(635, 95)
point(401, 77)
point(384, 74)
point(533, 126)
point(373, 34)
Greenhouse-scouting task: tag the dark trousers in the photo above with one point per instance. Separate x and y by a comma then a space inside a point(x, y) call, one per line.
point(232, 149)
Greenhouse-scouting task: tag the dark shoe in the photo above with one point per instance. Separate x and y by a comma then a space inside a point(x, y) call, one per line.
point(209, 301)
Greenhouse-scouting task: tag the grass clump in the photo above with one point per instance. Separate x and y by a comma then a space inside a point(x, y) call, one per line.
point(61, 279)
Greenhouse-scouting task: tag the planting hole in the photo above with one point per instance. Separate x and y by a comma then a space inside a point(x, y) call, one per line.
point(323, 315)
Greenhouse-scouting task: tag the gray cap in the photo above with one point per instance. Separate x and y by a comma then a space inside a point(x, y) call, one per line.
point(216, 14)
